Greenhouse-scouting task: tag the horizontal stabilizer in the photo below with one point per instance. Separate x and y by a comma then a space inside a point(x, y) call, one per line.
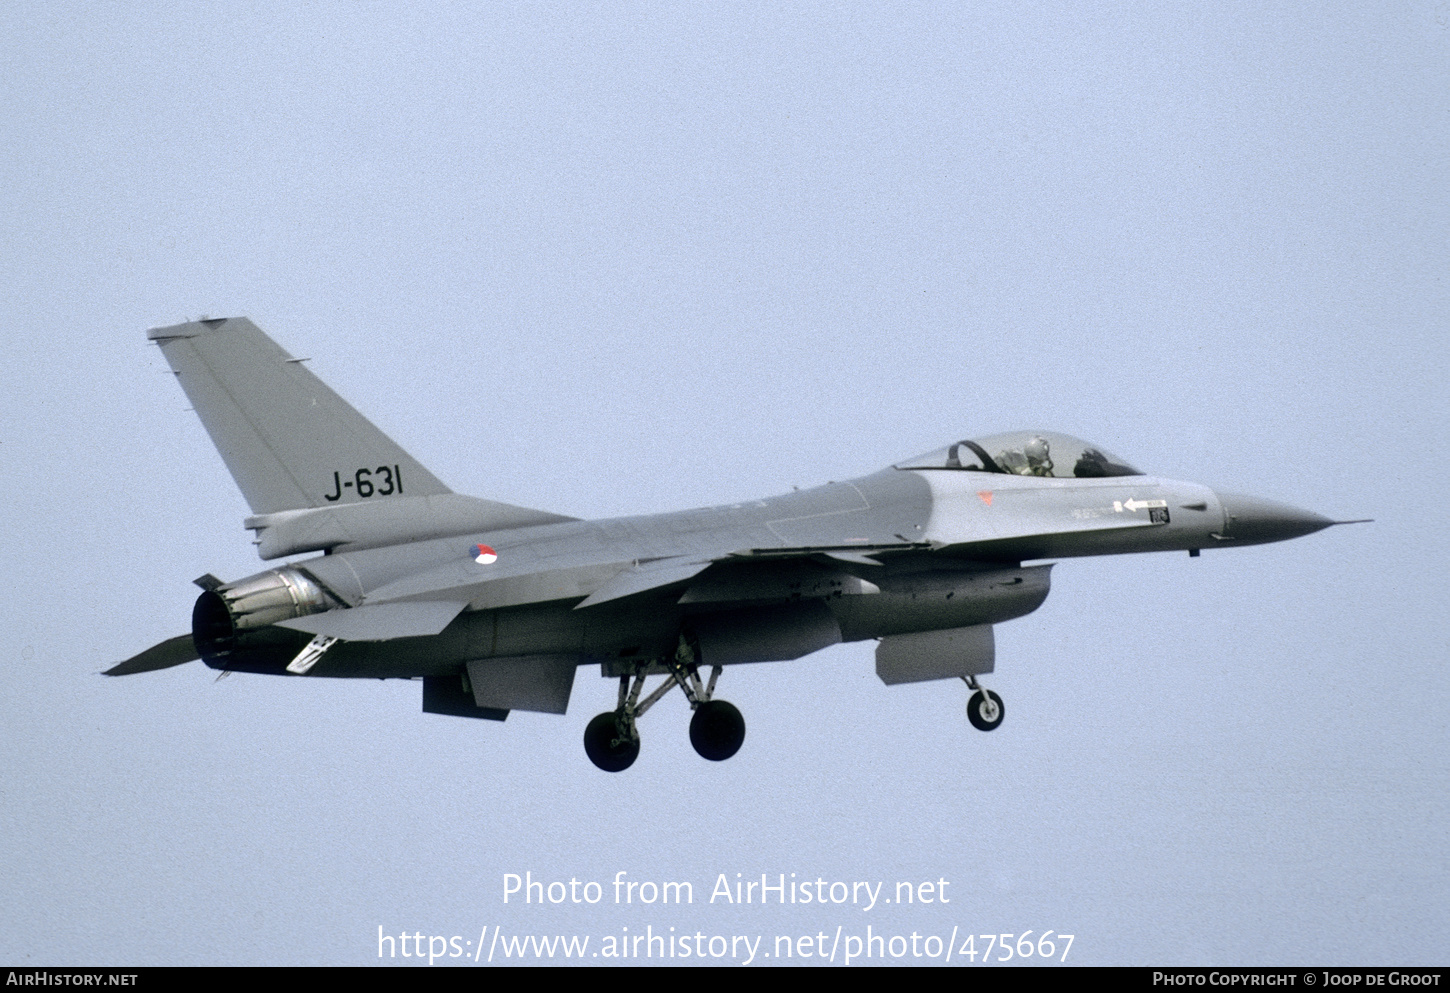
point(642, 578)
point(381, 621)
point(172, 651)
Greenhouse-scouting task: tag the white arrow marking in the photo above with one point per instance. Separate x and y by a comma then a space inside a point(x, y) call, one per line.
point(1135, 505)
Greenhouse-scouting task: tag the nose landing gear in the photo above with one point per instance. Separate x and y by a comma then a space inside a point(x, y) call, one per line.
point(717, 729)
point(984, 709)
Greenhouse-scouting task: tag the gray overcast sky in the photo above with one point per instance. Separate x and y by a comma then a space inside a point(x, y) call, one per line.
point(629, 258)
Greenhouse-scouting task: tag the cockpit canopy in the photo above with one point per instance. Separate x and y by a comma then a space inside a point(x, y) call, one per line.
point(1026, 453)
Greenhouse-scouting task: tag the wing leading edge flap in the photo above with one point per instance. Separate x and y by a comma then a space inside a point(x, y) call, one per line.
point(381, 621)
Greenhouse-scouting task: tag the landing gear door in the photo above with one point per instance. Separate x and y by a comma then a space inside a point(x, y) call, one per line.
point(949, 654)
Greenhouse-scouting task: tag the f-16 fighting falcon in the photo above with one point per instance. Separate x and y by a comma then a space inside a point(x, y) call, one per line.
point(495, 607)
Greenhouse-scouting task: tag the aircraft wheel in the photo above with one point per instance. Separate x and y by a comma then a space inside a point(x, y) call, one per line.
point(599, 744)
point(985, 710)
point(717, 730)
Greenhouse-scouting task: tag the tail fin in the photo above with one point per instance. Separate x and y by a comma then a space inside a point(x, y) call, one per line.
point(289, 441)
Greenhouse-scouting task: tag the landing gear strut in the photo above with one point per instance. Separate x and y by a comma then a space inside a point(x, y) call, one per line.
point(984, 709)
point(612, 739)
point(717, 730)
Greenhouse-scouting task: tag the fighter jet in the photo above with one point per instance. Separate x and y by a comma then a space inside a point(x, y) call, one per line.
point(495, 607)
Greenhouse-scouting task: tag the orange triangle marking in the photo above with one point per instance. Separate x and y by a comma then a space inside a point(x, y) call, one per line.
point(986, 496)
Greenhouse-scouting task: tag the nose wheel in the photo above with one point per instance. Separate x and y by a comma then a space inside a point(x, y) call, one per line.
point(984, 709)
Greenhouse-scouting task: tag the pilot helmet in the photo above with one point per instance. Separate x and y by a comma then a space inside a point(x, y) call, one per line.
point(1036, 451)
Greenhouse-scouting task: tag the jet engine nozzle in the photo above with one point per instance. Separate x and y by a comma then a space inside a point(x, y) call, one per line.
point(230, 621)
point(1250, 520)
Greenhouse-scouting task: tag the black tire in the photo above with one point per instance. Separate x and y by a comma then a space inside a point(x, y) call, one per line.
point(985, 710)
point(717, 730)
point(600, 739)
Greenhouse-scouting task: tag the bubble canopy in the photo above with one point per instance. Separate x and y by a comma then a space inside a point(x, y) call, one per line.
point(1026, 453)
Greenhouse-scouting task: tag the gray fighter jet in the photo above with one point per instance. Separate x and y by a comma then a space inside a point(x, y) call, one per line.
point(495, 607)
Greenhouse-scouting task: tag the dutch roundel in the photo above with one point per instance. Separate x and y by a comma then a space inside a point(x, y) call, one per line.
point(483, 555)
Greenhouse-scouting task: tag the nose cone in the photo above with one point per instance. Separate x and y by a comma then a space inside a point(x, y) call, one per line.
point(1252, 520)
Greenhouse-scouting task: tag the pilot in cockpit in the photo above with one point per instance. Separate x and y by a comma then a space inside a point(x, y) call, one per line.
point(1033, 459)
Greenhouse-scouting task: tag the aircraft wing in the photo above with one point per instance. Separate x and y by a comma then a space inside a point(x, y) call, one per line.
point(597, 582)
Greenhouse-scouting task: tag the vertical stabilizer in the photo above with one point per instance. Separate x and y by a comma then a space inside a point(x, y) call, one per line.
point(289, 441)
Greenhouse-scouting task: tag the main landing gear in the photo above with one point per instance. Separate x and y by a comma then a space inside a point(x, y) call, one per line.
point(717, 730)
point(984, 709)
